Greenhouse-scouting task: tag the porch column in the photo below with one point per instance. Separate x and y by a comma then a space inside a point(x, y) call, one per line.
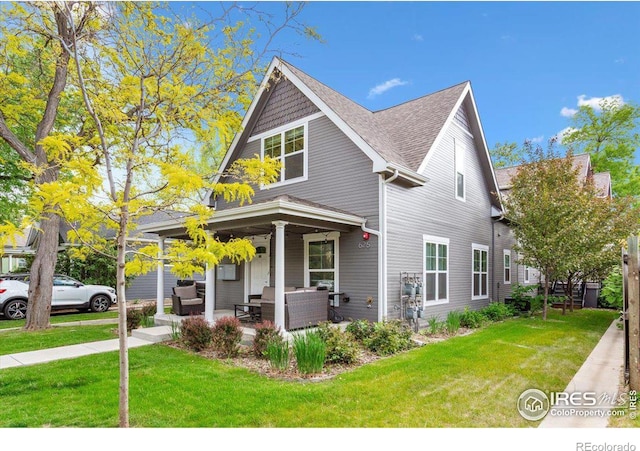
point(279, 291)
point(160, 279)
point(210, 291)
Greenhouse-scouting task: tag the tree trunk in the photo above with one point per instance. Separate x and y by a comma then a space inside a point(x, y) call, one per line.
point(122, 321)
point(41, 275)
point(546, 295)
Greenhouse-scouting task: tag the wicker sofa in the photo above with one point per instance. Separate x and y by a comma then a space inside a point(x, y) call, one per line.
point(186, 301)
point(302, 308)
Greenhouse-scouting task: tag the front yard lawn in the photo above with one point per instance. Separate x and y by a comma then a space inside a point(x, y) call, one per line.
point(466, 381)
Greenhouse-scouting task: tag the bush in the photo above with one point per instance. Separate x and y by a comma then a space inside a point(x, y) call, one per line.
point(148, 310)
point(611, 296)
point(134, 319)
point(341, 347)
point(226, 336)
point(360, 329)
point(266, 332)
point(310, 351)
point(389, 337)
point(196, 333)
point(278, 354)
point(497, 311)
point(471, 319)
point(452, 323)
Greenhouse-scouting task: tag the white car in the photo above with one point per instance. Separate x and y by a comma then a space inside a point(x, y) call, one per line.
point(68, 293)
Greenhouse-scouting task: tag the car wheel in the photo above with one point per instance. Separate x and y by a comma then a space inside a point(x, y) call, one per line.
point(100, 303)
point(16, 309)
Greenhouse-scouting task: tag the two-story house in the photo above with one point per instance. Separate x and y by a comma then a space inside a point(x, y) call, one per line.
point(362, 198)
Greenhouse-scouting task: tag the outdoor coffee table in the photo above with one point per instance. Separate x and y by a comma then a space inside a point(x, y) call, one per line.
point(248, 312)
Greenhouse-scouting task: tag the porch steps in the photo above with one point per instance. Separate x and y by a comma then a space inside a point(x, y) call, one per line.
point(155, 334)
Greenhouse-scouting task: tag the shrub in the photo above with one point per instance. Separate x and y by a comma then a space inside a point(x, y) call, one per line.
point(497, 311)
point(310, 351)
point(196, 333)
point(360, 329)
point(266, 332)
point(341, 346)
point(278, 354)
point(452, 323)
point(611, 296)
point(434, 326)
point(226, 336)
point(389, 337)
point(471, 318)
point(134, 319)
point(148, 310)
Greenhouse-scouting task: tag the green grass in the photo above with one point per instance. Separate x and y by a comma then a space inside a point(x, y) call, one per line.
point(61, 317)
point(468, 381)
point(13, 341)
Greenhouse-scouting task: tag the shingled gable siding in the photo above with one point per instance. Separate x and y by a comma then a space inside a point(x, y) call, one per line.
point(286, 104)
point(340, 176)
point(433, 210)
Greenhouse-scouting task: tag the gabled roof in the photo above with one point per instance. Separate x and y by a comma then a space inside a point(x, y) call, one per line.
point(396, 139)
point(581, 162)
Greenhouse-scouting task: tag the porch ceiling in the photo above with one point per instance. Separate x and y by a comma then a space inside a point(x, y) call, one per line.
point(257, 219)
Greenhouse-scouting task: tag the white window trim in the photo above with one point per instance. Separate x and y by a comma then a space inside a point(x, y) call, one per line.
point(507, 253)
point(305, 151)
point(460, 152)
point(484, 248)
point(436, 240)
point(331, 236)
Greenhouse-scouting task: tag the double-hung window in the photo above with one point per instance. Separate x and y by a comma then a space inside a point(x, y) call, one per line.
point(480, 270)
point(290, 149)
point(507, 266)
point(321, 260)
point(436, 269)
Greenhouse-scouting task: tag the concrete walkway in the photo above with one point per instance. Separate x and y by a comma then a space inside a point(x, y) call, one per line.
point(600, 374)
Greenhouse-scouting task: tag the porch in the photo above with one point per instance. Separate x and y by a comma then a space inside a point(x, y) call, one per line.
point(297, 245)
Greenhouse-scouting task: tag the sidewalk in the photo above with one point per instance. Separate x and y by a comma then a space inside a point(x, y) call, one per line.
point(147, 336)
point(599, 374)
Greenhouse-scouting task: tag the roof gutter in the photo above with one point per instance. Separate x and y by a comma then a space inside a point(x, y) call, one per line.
point(403, 173)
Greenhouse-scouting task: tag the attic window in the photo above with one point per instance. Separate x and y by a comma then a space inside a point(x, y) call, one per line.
point(288, 147)
point(460, 183)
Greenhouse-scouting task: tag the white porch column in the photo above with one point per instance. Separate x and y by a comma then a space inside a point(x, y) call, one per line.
point(279, 294)
point(210, 292)
point(160, 279)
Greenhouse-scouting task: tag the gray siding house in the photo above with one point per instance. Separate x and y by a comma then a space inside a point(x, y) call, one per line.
point(366, 202)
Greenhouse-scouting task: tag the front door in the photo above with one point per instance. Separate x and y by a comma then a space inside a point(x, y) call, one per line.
point(260, 267)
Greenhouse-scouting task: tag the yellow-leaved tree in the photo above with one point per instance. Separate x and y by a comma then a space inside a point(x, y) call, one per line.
point(159, 89)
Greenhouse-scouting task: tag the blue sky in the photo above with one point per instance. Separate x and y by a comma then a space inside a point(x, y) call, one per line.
point(529, 63)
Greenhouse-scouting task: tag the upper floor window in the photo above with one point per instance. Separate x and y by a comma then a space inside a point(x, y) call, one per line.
point(460, 182)
point(290, 148)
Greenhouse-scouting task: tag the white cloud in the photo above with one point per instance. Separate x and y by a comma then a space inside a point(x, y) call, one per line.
point(383, 87)
point(537, 139)
point(418, 37)
point(594, 102)
point(564, 132)
point(568, 112)
point(619, 61)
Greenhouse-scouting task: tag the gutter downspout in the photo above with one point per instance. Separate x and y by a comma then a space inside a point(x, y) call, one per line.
point(493, 252)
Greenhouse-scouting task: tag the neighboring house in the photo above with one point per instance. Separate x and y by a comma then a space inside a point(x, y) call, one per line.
point(363, 197)
point(522, 274)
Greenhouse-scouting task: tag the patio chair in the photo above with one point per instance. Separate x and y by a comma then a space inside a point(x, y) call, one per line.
point(186, 301)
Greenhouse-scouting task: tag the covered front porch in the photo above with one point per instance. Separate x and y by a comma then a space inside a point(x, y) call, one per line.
point(298, 244)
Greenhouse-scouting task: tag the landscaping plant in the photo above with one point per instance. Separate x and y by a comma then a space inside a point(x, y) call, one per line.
point(266, 332)
point(452, 323)
point(226, 336)
point(196, 333)
point(134, 319)
point(361, 329)
point(341, 346)
point(389, 337)
point(310, 351)
point(279, 355)
point(434, 326)
point(497, 311)
point(471, 319)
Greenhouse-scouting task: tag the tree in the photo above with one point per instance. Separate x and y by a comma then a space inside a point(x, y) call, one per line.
point(506, 154)
point(610, 136)
point(153, 85)
point(35, 116)
point(560, 224)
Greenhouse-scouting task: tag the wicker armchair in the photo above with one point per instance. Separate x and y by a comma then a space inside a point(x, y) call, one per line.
point(186, 301)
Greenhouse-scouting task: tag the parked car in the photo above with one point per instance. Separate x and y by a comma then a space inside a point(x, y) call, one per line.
point(68, 293)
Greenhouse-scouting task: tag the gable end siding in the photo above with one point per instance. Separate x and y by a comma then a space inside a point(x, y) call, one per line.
point(286, 104)
point(433, 210)
point(462, 119)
